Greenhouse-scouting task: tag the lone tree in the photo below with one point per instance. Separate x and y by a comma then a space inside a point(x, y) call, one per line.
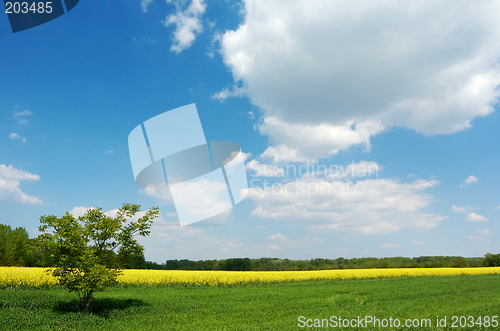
point(87, 253)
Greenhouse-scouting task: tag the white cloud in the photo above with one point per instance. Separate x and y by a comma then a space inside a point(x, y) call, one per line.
point(79, 211)
point(321, 69)
point(419, 243)
point(9, 172)
point(485, 232)
point(276, 236)
point(16, 136)
point(390, 245)
point(283, 153)
point(200, 198)
point(463, 210)
point(473, 217)
point(21, 116)
point(160, 191)
point(109, 152)
point(477, 238)
point(300, 142)
point(9, 185)
point(231, 92)
point(231, 246)
point(481, 234)
point(471, 179)
point(367, 206)
point(187, 24)
point(145, 4)
point(194, 199)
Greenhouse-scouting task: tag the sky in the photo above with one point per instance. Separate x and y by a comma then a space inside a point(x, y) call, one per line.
point(369, 129)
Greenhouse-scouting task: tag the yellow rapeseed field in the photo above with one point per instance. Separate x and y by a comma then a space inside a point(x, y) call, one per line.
point(11, 277)
point(24, 277)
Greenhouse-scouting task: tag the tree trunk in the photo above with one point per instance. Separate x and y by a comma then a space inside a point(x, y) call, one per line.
point(88, 300)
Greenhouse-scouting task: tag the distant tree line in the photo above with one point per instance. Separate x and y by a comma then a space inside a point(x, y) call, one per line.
point(276, 264)
point(16, 250)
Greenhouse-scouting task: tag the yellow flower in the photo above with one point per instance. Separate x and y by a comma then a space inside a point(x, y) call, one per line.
point(11, 277)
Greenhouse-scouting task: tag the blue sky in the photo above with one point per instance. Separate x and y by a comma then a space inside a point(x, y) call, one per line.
point(408, 89)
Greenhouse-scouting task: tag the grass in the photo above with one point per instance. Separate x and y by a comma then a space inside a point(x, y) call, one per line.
point(256, 307)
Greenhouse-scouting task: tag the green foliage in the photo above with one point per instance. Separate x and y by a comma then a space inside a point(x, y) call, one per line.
point(87, 252)
point(14, 248)
point(460, 262)
point(276, 264)
point(236, 265)
point(263, 307)
point(491, 260)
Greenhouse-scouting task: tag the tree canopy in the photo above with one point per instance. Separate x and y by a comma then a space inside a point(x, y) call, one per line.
point(14, 248)
point(88, 252)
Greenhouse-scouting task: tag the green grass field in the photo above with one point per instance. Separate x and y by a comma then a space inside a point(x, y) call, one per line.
point(261, 307)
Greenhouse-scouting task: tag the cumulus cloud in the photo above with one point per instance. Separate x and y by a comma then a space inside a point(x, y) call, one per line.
point(145, 4)
point(473, 217)
point(201, 198)
point(471, 179)
point(301, 142)
point(390, 245)
point(16, 136)
point(22, 116)
point(79, 211)
point(10, 178)
point(9, 172)
point(419, 243)
point(160, 191)
point(276, 236)
point(187, 23)
point(194, 200)
point(328, 75)
point(481, 234)
point(327, 203)
point(225, 93)
point(463, 210)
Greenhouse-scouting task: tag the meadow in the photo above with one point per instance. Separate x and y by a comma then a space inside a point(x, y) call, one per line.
point(256, 305)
